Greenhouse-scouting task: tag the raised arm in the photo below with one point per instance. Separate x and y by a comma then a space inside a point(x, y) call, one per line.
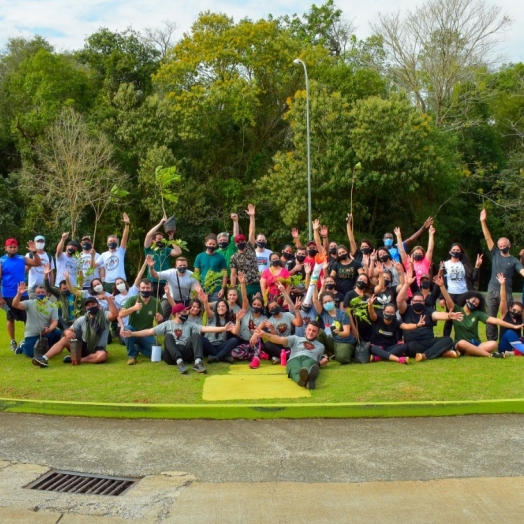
point(503, 308)
point(440, 283)
point(296, 237)
point(76, 292)
point(351, 235)
point(414, 236)
point(431, 244)
point(113, 311)
point(236, 229)
point(371, 310)
point(400, 245)
point(325, 240)
point(152, 232)
point(316, 235)
point(150, 261)
point(60, 246)
point(17, 303)
point(243, 290)
point(48, 272)
point(141, 274)
point(252, 227)
point(485, 230)
point(125, 234)
point(35, 261)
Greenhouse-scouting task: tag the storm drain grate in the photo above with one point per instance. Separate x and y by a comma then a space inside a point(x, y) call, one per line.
point(84, 483)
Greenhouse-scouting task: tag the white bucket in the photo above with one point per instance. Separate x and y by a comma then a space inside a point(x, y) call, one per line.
point(156, 353)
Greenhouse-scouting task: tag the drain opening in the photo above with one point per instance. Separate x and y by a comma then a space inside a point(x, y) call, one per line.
point(82, 483)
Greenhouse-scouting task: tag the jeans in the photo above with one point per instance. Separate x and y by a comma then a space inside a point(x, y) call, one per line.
point(30, 342)
point(384, 353)
point(431, 348)
point(144, 344)
point(509, 336)
point(219, 350)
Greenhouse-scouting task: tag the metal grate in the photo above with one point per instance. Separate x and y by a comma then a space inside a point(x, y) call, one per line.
point(82, 483)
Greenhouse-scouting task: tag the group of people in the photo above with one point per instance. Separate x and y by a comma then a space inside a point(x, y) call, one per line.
point(304, 305)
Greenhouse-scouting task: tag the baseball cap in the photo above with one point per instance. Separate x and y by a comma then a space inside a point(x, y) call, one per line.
point(178, 308)
point(39, 237)
point(74, 243)
point(239, 238)
point(311, 242)
point(86, 237)
point(11, 242)
point(90, 300)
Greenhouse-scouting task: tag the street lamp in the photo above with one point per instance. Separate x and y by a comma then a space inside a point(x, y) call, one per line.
point(297, 61)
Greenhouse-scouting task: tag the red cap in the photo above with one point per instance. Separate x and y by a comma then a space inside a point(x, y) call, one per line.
point(310, 243)
point(11, 242)
point(178, 308)
point(239, 238)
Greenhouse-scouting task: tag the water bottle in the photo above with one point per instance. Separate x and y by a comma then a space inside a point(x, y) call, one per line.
point(283, 357)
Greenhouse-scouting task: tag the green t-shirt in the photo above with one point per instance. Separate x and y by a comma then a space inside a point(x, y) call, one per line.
point(468, 328)
point(205, 262)
point(144, 318)
point(162, 258)
point(227, 253)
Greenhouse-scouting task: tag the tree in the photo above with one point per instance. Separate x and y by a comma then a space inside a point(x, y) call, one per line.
point(439, 46)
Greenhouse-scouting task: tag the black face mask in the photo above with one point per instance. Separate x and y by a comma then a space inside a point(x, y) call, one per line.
point(241, 246)
point(65, 292)
point(344, 256)
point(515, 315)
point(418, 308)
point(71, 250)
point(112, 245)
point(86, 246)
point(11, 255)
point(361, 284)
point(93, 310)
point(261, 244)
point(425, 284)
point(365, 250)
point(286, 255)
point(211, 249)
point(333, 250)
point(257, 309)
point(384, 258)
point(146, 294)
point(418, 257)
point(389, 316)
point(275, 263)
point(276, 310)
point(455, 254)
point(387, 283)
point(223, 245)
point(330, 286)
point(300, 258)
point(470, 305)
point(159, 243)
point(183, 318)
point(312, 252)
point(505, 250)
point(182, 269)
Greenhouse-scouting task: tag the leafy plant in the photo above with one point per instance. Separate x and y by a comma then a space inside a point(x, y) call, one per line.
point(212, 280)
point(165, 177)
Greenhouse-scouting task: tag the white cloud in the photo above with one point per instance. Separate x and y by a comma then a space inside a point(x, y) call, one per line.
point(66, 24)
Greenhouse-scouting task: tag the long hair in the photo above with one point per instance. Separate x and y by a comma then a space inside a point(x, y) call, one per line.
point(464, 259)
point(473, 294)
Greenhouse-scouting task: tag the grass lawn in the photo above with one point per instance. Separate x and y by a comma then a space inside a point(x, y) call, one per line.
point(467, 378)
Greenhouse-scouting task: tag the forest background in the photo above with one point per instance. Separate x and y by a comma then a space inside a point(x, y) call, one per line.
point(421, 119)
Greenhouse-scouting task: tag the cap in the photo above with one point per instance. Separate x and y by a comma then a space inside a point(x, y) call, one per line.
point(91, 300)
point(239, 238)
point(178, 308)
point(11, 242)
point(86, 237)
point(39, 237)
point(311, 242)
point(74, 243)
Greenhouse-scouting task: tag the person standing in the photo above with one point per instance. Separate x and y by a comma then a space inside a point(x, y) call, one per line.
point(35, 274)
point(87, 256)
point(66, 260)
point(226, 245)
point(259, 241)
point(210, 260)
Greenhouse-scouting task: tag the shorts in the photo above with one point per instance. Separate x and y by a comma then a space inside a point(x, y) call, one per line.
point(86, 353)
point(13, 313)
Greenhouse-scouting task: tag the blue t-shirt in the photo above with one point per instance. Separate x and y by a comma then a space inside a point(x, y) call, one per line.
point(13, 272)
point(395, 253)
point(329, 322)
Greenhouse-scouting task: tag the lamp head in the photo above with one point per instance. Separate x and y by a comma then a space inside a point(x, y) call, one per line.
point(297, 61)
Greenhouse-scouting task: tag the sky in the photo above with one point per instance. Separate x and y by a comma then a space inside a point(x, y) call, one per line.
point(66, 23)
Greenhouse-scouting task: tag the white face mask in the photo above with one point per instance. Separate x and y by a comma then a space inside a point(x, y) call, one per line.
point(121, 287)
point(98, 288)
point(39, 245)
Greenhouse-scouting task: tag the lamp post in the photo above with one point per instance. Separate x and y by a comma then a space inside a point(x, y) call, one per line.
point(297, 61)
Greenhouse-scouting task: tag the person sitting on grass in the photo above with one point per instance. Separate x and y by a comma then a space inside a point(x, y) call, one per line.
point(385, 333)
point(307, 353)
point(42, 318)
point(182, 339)
point(511, 315)
point(92, 329)
point(467, 339)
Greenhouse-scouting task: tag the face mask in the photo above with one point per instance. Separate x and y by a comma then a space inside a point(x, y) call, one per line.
point(365, 250)
point(329, 306)
point(311, 252)
point(256, 309)
point(383, 258)
point(387, 283)
point(182, 269)
point(455, 254)
point(306, 308)
point(425, 284)
point(86, 246)
point(344, 256)
point(515, 315)
point(39, 245)
point(505, 250)
point(418, 257)
point(40, 296)
point(361, 284)
point(389, 316)
point(471, 306)
point(146, 294)
point(418, 308)
point(65, 292)
point(112, 245)
point(211, 249)
point(261, 244)
point(98, 288)
point(159, 243)
point(388, 242)
point(183, 318)
point(93, 310)
point(241, 246)
point(330, 286)
point(301, 258)
point(71, 250)
point(333, 250)
point(276, 310)
point(275, 263)
point(287, 256)
point(121, 287)
point(11, 255)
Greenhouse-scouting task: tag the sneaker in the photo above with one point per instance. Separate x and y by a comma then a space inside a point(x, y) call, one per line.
point(211, 359)
point(419, 357)
point(199, 368)
point(13, 345)
point(509, 354)
point(314, 370)
point(229, 359)
point(20, 348)
point(41, 361)
point(275, 360)
point(67, 360)
point(131, 361)
point(255, 363)
point(403, 360)
point(264, 355)
point(182, 368)
point(498, 355)
point(374, 358)
point(303, 376)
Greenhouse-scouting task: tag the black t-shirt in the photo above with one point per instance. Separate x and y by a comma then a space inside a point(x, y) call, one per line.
point(347, 275)
point(511, 320)
point(363, 322)
point(383, 334)
point(423, 334)
point(386, 297)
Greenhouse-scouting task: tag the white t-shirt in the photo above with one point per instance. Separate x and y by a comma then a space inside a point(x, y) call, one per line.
point(263, 259)
point(456, 277)
point(86, 266)
point(120, 299)
point(113, 261)
point(35, 275)
point(65, 263)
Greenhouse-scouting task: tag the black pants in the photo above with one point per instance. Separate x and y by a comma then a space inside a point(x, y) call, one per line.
point(219, 350)
point(272, 349)
point(449, 323)
point(384, 353)
point(173, 351)
point(431, 348)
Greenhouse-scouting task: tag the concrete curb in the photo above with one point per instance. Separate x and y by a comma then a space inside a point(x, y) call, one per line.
point(263, 411)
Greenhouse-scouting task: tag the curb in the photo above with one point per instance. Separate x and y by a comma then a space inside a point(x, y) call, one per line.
point(263, 411)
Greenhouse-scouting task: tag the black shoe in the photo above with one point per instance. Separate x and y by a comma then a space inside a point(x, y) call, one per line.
point(229, 360)
point(182, 368)
point(311, 384)
point(303, 376)
point(498, 355)
point(41, 361)
point(199, 368)
point(67, 360)
point(211, 359)
point(314, 370)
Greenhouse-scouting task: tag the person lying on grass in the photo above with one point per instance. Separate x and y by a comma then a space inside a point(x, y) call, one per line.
point(92, 328)
point(306, 354)
point(467, 338)
point(182, 339)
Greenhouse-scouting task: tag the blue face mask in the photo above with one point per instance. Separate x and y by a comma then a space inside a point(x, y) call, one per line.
point(388, 242)
point(329, 306)
point(40, 296)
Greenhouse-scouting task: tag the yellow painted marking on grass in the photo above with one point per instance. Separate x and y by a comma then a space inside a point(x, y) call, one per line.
point(264, 369)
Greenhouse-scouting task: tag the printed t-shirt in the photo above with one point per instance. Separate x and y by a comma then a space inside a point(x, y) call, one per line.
point(35, 275)
point(383, 334)
point(181, 332)
point(65, 263)
point(342, 320)
point(248, 323)
point(113, 262)
point(283, 324)
point(301, 346)
point(455, 277)
point(246, 262)
point(263, 259)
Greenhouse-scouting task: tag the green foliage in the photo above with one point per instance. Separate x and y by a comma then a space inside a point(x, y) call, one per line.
point(211, 282)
